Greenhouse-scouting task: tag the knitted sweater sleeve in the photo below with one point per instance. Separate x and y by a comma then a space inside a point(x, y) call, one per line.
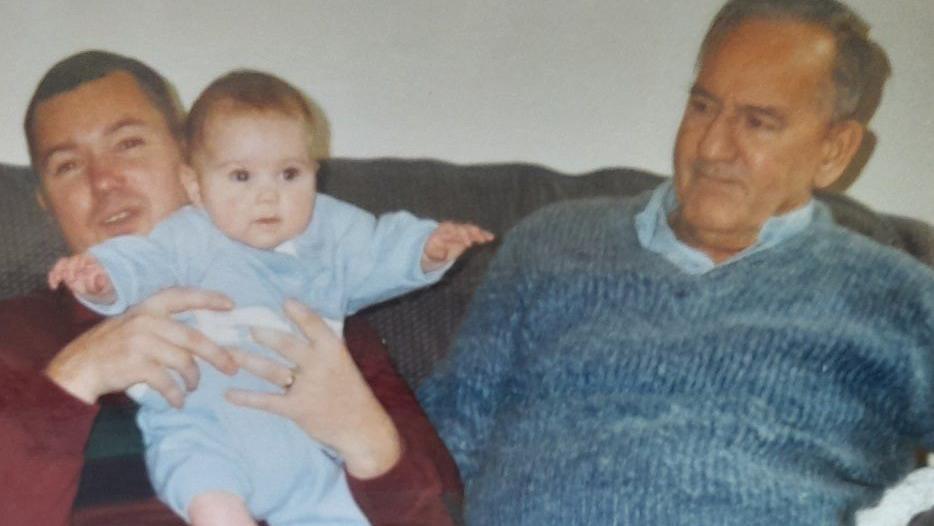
point(461, 398)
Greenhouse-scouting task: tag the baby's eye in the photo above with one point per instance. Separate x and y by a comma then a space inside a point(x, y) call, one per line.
point(291, 173)
point(241, 176)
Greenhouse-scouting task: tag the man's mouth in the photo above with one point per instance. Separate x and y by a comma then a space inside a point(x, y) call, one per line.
point(117, 218)
point(122, 221)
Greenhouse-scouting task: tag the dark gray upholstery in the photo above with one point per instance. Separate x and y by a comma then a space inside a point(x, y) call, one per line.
point(418, 327)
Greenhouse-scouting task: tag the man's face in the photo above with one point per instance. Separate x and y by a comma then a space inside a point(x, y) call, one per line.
point(755, 134)
point(107, 161)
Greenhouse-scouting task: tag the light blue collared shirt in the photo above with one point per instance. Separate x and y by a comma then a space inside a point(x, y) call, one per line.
point(655, 233)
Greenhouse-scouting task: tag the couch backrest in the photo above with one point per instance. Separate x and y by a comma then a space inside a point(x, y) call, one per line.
point(418, 327)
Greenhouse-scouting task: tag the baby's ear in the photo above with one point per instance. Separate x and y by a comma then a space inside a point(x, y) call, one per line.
point(190, 181)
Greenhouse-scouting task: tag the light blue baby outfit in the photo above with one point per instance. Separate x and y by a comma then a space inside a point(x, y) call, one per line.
point(345, 260)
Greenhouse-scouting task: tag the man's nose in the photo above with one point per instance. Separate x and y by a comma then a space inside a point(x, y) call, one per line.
point(105, 175)
point(719, 141)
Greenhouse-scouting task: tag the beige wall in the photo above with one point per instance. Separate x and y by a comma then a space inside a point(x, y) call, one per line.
point(574, 85)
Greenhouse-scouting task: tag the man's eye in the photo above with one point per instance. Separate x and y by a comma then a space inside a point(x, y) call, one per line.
point(130, 143)
point(699, 106)
point(754, 122)
point(291, 173)
point(64, 168)
point(240, 175)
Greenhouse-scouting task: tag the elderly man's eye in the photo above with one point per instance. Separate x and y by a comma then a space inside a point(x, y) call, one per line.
point(240, 175)
point(699, 106)
point(755, 122)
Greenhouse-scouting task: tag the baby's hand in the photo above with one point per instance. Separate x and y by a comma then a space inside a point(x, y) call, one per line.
point(449, 241)
point(85, 276)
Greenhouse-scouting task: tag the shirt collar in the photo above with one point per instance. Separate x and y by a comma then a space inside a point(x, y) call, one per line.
point(655, 233)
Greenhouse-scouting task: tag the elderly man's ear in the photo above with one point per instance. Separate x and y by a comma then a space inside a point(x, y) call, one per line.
point(841, 144)
point(190, 181)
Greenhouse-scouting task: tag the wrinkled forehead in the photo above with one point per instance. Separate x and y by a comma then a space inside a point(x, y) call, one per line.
point(779, 62)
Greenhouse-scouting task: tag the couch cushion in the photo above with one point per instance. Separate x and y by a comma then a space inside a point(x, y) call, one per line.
point(420, 326)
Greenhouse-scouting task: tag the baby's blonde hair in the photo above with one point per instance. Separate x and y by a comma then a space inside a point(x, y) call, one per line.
point(246, 90)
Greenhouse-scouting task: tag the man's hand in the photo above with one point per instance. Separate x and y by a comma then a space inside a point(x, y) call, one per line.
point(325, 394)
point(85, 276)
point(142, 345)
point(449, 241)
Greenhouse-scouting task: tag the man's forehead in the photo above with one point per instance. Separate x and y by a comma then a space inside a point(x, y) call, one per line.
point(92, 109)
point(770, 63)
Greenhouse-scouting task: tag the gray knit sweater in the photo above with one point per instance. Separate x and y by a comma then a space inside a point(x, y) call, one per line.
point(594, 383)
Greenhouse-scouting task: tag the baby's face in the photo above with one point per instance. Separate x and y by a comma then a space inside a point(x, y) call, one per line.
point(255, 176)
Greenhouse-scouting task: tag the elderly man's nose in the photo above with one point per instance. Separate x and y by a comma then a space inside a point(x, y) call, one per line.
point(718, 142)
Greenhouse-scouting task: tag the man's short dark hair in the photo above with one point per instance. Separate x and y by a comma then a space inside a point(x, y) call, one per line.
point(91, 65)
point(860, 67)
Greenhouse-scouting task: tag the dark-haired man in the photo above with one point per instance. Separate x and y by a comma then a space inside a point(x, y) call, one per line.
point(716, 351)
point(104, 137)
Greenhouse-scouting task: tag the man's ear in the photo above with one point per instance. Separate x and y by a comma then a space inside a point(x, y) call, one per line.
point(40, 198)
point(840, 145)
point(190, 182)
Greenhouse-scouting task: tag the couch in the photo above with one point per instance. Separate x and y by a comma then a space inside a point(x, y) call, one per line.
point(418, 328)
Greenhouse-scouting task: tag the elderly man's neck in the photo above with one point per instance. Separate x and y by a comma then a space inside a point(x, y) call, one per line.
point(718, 245)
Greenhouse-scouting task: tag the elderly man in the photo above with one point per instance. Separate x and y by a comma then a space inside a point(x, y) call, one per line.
point(716, 351)
point(104, 137)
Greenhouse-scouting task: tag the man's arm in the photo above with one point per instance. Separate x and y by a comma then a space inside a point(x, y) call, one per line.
point(462, 395)
point(141, 346)
point(43, 431)
point(45, 419)
point(424, 479)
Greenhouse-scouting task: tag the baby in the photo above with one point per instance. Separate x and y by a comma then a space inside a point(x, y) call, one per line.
point(258, 232)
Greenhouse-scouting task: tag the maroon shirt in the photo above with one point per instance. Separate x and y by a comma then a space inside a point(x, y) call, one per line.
point(43, 430)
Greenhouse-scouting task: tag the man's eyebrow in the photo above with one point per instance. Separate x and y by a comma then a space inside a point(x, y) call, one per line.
point(124, 123)
point(770, 112)
point(58, 148)
point(697, 91)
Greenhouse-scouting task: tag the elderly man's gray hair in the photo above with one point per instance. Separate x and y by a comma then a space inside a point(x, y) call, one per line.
point(860, 67)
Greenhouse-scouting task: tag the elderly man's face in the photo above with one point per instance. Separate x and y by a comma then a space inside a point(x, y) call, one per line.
point(757, 133)
point(108, 163)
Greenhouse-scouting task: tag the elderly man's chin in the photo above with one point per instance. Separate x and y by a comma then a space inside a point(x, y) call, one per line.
point(722, 211)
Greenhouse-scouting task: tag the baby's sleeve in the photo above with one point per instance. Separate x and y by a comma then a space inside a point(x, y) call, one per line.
point(140, 266)
point(381, 255)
